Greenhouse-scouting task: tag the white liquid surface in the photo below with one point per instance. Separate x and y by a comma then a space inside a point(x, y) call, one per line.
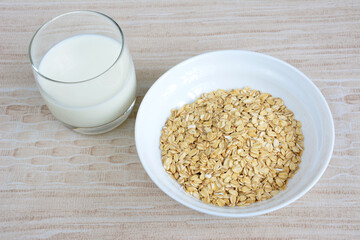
point(80, 58)
point(94, 102)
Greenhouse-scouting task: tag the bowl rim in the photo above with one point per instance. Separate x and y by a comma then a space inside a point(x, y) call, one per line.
point(321, 171)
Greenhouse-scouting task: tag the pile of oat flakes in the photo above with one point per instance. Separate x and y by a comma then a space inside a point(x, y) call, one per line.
point(232, 148)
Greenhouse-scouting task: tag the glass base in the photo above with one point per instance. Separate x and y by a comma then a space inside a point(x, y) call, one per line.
point(105, 127)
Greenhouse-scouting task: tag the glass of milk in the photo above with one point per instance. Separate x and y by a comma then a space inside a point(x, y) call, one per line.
point(84, 71)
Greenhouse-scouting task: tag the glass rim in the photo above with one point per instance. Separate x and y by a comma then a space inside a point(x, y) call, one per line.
point(60, 16)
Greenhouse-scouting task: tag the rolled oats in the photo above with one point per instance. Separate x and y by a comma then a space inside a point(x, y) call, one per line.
point(232, 148)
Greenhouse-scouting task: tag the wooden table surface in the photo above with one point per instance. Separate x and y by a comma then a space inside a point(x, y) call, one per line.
point(56, 184)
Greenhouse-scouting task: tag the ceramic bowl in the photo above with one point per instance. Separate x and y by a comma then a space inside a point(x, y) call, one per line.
point(232, 69)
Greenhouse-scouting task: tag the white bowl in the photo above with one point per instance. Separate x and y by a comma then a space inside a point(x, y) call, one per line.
point(228, 70)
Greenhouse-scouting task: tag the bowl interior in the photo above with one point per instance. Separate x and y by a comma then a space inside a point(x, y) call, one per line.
point(228, 70)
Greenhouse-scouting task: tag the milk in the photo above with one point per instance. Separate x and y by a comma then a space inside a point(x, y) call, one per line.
point(78, 101)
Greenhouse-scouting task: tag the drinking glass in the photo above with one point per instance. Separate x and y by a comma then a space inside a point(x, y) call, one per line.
point(84, 71)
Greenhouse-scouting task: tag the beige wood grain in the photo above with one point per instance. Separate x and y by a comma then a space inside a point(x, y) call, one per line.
point(56, 184)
